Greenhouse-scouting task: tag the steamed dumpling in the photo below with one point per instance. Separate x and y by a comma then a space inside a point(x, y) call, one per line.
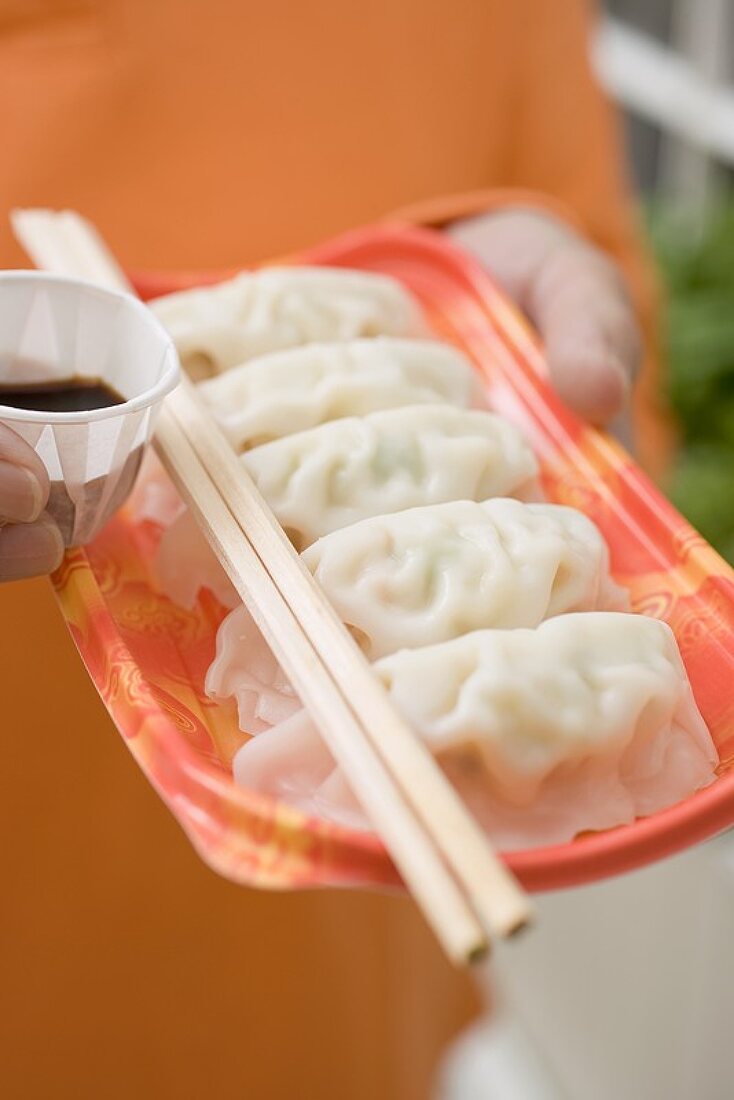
point(245, 669)
point(585, 722)
point(577, 688)
point(429, 574)
point(185, 564)
point(289, 391)
point(331, 476)
point(328, 477)
point(424, 576)
point(215, 328)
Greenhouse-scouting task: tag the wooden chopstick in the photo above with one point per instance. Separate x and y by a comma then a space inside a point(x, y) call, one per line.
point(490, 886)
point(63, 243)
point(495, 895)
point(427, 878)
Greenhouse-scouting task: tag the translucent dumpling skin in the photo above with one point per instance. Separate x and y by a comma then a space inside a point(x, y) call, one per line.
point(429, 574)
point(578, 688)
point(289, 391)
point(586, 722)
point(491, 619)
point(326, 478)
point(420, 577)
point(218, 327)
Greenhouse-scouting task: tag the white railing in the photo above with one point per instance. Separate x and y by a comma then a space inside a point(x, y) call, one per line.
point(681, 88)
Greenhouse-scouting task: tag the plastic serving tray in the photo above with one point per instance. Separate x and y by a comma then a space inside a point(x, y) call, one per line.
point(148, 657)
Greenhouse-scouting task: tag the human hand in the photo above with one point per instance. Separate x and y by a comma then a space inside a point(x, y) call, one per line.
point(573, 294)
point(30, 542)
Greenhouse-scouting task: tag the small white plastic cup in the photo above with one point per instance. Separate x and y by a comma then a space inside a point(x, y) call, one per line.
point(53, 328)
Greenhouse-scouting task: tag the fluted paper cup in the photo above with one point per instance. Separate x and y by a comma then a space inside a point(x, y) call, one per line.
point(53, 328)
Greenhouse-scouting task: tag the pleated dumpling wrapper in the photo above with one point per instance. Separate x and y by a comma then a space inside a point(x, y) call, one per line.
point(583, 723)
point(218, 327)
point(424, 576)
point(289, 391)
point(328, 477)
point(430, 574)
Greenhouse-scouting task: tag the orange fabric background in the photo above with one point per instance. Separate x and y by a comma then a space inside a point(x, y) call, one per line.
point(200, 134)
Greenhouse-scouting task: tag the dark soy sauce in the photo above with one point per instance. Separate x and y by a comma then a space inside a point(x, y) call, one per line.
point(66, 395)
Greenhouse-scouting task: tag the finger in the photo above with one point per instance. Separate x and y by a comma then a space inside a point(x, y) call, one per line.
point(588, 375)
point(575, 297)
point(30, 549)
point(513, 245)
point(593, 345)
point(21, 496)
point(24, 483)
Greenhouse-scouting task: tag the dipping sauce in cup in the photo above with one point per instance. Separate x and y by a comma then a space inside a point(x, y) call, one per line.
point(83, 371)
point(70, 395)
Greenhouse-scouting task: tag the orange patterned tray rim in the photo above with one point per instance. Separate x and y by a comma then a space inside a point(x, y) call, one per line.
point(252, 838)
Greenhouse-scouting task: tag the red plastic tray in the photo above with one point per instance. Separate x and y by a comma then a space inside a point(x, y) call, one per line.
point(148, 658)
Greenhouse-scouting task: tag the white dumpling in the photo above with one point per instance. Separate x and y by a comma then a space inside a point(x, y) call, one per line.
point(218, 327)
point(246, 670)
point(328, 477)
point(420, 577)
point(577, 688)
point(289, 391)
point(429, 574)
point(584, 723)
point(184, 564)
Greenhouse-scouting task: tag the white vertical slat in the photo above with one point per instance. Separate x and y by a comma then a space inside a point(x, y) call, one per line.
point(665, 88)
point(689, 174)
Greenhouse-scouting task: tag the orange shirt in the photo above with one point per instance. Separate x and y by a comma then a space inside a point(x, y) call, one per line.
point(200, 134)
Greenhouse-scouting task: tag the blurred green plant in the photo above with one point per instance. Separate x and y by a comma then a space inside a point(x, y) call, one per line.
point(697, 266)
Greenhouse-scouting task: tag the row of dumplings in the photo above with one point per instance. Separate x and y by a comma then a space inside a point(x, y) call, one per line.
point(490, 616)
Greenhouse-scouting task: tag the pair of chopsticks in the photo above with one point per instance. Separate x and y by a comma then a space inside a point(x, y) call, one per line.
point(463, 889)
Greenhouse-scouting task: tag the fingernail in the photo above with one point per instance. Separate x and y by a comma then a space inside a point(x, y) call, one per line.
point(21, 496)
